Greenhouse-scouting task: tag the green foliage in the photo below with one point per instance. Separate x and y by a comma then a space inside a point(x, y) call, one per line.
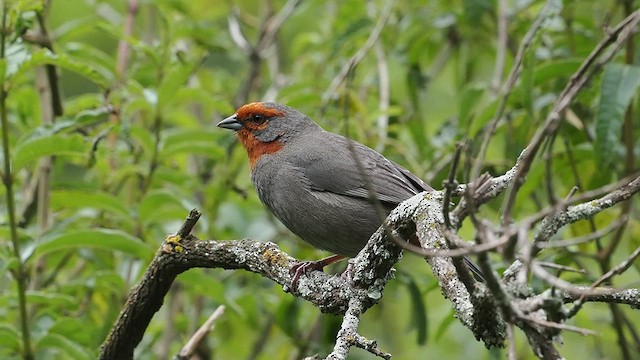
point(98, 187)
point(619, 85)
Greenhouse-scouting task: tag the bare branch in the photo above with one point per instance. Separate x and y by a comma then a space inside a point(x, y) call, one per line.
point(588, 294)
point(582, 239)
point(236, 32)
point(592, 64)
point(274, 24)
point(552, 224)
point(348, 335)
point(190, 347)
point(510, 83)
point(450, 185)
point(359, 55)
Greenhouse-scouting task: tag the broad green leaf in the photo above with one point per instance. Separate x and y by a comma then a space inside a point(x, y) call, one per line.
point(45, 56)
point(71, 349)
point(106, 280)
point(74, 328)
point(107, 239)
point(7, 259)
point(3, 68)
point(81, 119)
point(286, 317)
point(21, 6)
point(77, 199)
point(5, 233)
point(419, 320)
point(619, 85)
point(175, 79)
point(527, 84)
point(17, 54)
point(10, 337)
point(633, 229)
point(353, 30)
point(552, 70)
point(46, 298)
point(444, 325)
point(475, 9)
point(30, 151)
point(144, 138)
point(97, 58)
point(484, 115)
point(471, 96)
point(137, 45)
point(162, 204)
point(192, 141)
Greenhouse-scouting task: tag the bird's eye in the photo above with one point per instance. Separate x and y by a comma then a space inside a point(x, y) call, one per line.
point(258, 119)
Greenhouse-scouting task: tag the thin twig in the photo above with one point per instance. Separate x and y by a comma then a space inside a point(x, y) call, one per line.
point(384, 94)
point(551, 224)
point(451, 184)
point(508, 86)
point(554, 325)
point(582, 239)
point(256, 54)
point(122, 56)
point(592, 64)
point(189, 223)
point(619, 269)
point(501, 48)
point(560, 267)
point(19, 273)
point(555, 281)
point(190, 347)
point(348, 67)
point(511, 350)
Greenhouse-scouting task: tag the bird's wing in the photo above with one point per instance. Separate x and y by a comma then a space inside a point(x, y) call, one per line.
point(332, 167)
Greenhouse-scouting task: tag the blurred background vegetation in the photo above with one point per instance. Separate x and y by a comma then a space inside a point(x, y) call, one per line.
point(110, 156)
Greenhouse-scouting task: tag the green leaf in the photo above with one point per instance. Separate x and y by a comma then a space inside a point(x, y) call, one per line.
point(485, 114)
point(46, 298)
point(32, 149)
point(22, 6)
point(10, 337)
point(74, 328)
point(286, 317)
point(100, 60)
point(162, 205)
point(527, 83)
point(3, 68)
point(553, 70)
point(142, 137)
point(419, 320)
point(619, 85)
point(77, 199)
point(176, 78)
point(192, 141)
point(471, 96)
point(475, 9)
point(71, 349)
point(45, 56)
point(82, 119)
point(444, 325)
point(107, 239)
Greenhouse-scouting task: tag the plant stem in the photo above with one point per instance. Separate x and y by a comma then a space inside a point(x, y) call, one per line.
point(7, 178)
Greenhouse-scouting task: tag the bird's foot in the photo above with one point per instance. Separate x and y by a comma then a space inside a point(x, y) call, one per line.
point(304, 267)
point(347, 274)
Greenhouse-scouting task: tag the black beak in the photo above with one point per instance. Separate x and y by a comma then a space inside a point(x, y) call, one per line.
point(230, 123)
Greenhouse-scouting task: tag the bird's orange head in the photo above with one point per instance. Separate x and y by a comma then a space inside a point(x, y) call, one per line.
point(264, 127)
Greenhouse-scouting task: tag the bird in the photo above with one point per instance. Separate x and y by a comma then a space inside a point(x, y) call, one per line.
point(318, 183)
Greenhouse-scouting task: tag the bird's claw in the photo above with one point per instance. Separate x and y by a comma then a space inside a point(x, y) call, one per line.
point(347, 274)
point(303, 267)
